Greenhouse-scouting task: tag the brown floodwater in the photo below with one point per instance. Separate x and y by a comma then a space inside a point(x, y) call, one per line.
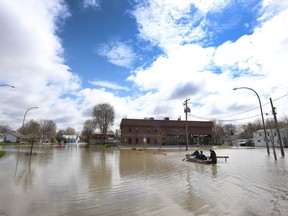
point(79, 181)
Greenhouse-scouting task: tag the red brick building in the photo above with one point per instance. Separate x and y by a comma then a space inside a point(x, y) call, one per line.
point(165, 132)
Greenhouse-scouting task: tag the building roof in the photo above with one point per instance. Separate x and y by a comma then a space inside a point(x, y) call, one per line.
point(166, 122)
point(17, 134)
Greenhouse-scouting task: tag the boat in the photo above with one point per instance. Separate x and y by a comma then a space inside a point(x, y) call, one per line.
point(196, 160)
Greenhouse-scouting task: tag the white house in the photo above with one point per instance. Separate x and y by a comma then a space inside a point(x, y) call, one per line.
point(272, 136)
point(15, 136)
point(2, 137)
point(71, 138)
point(12, 136)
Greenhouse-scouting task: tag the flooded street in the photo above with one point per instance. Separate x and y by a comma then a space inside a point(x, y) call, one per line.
point(79, 181)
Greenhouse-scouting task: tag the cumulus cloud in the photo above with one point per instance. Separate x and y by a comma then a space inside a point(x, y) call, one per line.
point(118, 53)
point(31, 59)
point(170, 24)
point(188, 65)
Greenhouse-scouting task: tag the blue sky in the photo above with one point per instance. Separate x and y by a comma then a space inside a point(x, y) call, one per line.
point(143, 57)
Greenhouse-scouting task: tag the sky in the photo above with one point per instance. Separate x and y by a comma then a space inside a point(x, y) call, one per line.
point(144, 58)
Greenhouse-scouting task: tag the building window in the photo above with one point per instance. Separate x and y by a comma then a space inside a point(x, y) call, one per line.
point(129, 140)
point(148, 140)
point(136, 129)
point(259, 140)
point(129, 129)
point(148, 129)
point(136, 140)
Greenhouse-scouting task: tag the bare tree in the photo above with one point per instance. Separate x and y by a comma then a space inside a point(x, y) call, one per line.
point(103, 115)
point(229, 129)
point(218, 133)
point(48, 128)
point(249, 129)
point(88, 129)
point(5, 128)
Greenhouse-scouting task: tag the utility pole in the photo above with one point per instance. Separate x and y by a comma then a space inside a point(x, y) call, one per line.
point(277, 128)
point(186, 110)
point(264, 126)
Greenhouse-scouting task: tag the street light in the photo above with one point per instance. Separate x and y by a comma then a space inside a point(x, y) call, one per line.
point(3, 85)
point(22, 131)
point(264, 127)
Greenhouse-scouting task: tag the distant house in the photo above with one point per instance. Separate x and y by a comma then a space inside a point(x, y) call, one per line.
point(15, 137)
point(272, 136)
point(2, 137)
point(98, 138)
point(71, 138)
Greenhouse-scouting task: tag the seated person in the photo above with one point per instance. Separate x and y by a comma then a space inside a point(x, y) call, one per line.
point(202, 156)
point(196, 154)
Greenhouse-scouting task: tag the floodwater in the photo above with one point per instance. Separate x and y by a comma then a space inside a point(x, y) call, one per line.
point(79, 181)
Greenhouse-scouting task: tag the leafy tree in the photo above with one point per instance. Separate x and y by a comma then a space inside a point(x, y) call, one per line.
point(103, 115)
point(33, 129)
point(59, 136)
point(70, 131)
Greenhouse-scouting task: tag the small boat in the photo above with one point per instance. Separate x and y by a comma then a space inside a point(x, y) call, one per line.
point(196, 160)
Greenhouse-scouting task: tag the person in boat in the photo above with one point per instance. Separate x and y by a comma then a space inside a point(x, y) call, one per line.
point(202, 156)
point(213, 156)
point(196, 154)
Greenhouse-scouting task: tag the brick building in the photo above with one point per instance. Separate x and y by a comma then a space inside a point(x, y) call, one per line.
point(165, 132)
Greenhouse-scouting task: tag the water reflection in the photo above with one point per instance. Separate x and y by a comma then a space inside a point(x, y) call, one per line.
point(80, 181)
point(24, 174)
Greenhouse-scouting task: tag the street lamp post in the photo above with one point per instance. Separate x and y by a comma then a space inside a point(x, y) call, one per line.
point(22, 130)
point(264, 127)
point(3, 85)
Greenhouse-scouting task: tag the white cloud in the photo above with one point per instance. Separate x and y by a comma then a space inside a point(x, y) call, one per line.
point(169, 24)
point(210, 74)
point(91, 3)
point(110, 85)
point(31, 60)
point(118, 53)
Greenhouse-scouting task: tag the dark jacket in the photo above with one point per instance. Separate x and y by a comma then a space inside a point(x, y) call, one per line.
point(213, 156)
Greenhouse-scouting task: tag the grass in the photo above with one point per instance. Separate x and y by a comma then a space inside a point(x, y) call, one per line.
point(2, 153)
point(8, 144)
point(224, 147)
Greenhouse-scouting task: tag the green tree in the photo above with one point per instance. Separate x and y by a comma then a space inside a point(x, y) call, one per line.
point(33, 129)
point(70, 131)
point(103, 115)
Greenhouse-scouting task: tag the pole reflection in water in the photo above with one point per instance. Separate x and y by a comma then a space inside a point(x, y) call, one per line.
point(79, 181)
point(24, 175)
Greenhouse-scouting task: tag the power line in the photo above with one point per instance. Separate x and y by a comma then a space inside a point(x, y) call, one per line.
point(199, 117)
point(223, 117)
